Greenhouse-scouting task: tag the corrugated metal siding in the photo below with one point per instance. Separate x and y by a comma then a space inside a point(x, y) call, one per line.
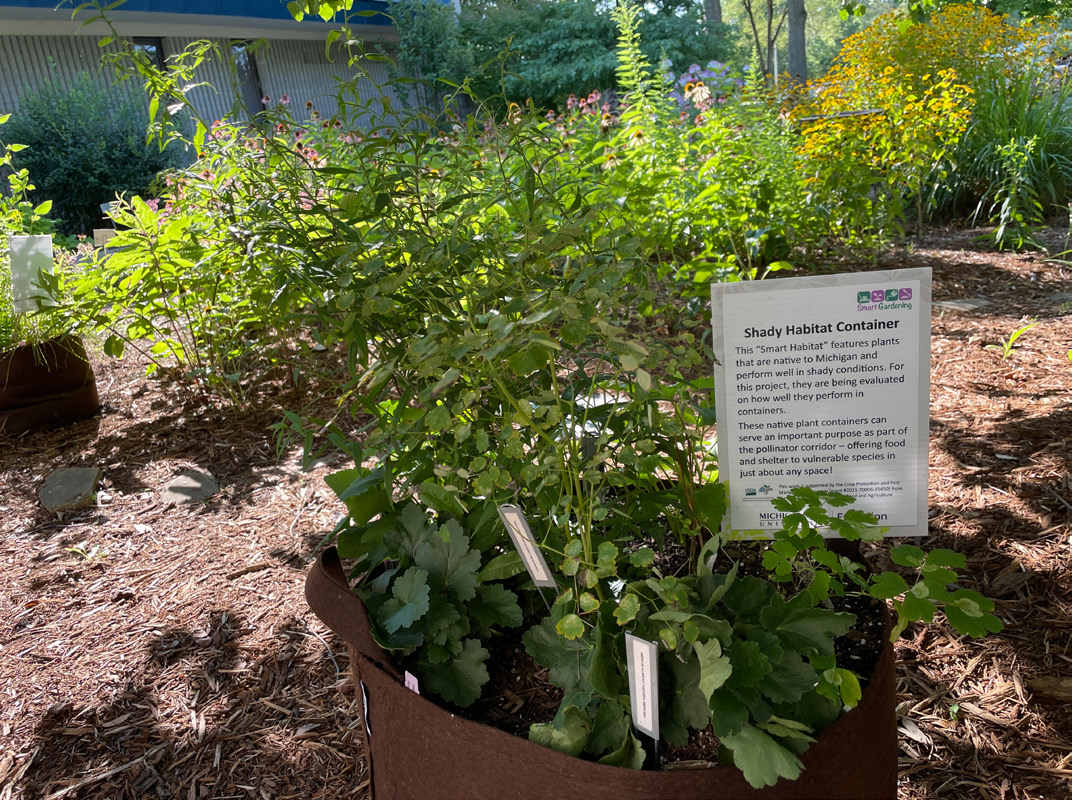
point(292, 67)
point(299, 70)
point(29, 62)
point(254, 9)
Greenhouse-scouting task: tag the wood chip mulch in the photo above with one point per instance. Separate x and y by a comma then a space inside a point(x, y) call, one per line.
point(150, 651)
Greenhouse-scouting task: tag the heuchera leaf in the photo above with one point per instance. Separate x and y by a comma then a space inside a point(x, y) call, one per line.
point(689, 706)
point(409, 601)
point(728, 713)
point(459, 680)
point(444, 625)
point(451, 565)
point(569, 738)
point(610, 728)
point(761, 758)
point(804, 628)
point(749, 663)
point(789, 679)
point(494, 604)
point(411, 530)
point(567, 661)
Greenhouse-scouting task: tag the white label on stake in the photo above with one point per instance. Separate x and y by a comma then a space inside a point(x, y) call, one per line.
point(642, 657)
point(411, 683)
point(520, 534)
point(30, 256)
point(364, 708)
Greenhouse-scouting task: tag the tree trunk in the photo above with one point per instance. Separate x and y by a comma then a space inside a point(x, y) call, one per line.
point(798, 61)
point(712, 13)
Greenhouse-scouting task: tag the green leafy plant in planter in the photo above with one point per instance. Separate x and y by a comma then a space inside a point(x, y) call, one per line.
point(19, 216)
point(45, 377)
point(432, 604)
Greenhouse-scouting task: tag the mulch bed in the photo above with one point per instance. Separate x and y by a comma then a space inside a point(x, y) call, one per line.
point(151, 651)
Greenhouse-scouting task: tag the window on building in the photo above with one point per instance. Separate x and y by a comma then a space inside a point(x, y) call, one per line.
point(152, 47)
point(247, 78)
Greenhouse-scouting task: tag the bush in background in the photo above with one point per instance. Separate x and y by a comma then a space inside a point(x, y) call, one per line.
point(977, 111)
point(85, 143)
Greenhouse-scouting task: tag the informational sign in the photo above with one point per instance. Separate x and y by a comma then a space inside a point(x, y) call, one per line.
point(642, 662)
point(824, 381)
point(520, 534)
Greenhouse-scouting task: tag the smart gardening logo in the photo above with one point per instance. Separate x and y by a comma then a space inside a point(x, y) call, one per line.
point(883, 299)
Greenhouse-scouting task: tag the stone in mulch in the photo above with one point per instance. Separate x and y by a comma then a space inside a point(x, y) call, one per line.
point(192, 486)
point(967, 304)
point(70, 488)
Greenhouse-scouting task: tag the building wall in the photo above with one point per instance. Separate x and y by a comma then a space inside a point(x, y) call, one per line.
point(295, 67)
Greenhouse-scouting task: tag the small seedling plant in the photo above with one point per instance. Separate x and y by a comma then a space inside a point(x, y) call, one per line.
point(1008, 345)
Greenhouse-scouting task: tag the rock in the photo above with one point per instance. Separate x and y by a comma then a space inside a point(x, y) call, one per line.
point(967, 304)
point(1054, 688)
point(324, 461)
point(191, 486)
point(70, 488)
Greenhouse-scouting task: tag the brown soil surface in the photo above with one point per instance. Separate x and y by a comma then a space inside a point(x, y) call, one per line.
point(151, 651)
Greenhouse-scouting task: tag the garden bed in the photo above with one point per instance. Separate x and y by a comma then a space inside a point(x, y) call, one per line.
point(154, 651)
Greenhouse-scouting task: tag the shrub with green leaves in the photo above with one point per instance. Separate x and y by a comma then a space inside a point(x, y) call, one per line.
point(84, 144)
point(1014, 162)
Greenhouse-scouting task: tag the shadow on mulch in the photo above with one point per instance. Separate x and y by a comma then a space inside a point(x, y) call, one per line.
point(243, 734)
point(231, 444)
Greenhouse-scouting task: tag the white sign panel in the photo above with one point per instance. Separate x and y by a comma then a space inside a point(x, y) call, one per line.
point(643, 665)
point(30, 256)
point(824, 382)
point(520, 534)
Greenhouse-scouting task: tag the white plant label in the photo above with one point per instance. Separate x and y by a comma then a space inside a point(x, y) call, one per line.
point(520, 534)
point(30, 256)
point(824, 382)
point(411, 683)
point(642, 661)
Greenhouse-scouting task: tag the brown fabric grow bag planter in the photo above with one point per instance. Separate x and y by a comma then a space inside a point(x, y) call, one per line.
point(46, 386)
point(419, 751)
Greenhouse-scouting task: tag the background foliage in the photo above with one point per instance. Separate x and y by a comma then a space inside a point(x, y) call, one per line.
point(84, 144)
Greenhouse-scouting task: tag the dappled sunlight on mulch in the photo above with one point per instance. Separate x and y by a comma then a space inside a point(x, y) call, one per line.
point(148, 651)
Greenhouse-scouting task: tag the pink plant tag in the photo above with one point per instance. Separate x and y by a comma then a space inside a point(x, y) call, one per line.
point(411, 683)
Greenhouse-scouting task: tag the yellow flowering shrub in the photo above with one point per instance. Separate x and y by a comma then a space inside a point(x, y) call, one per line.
point(963, 39)
point(917, 82)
